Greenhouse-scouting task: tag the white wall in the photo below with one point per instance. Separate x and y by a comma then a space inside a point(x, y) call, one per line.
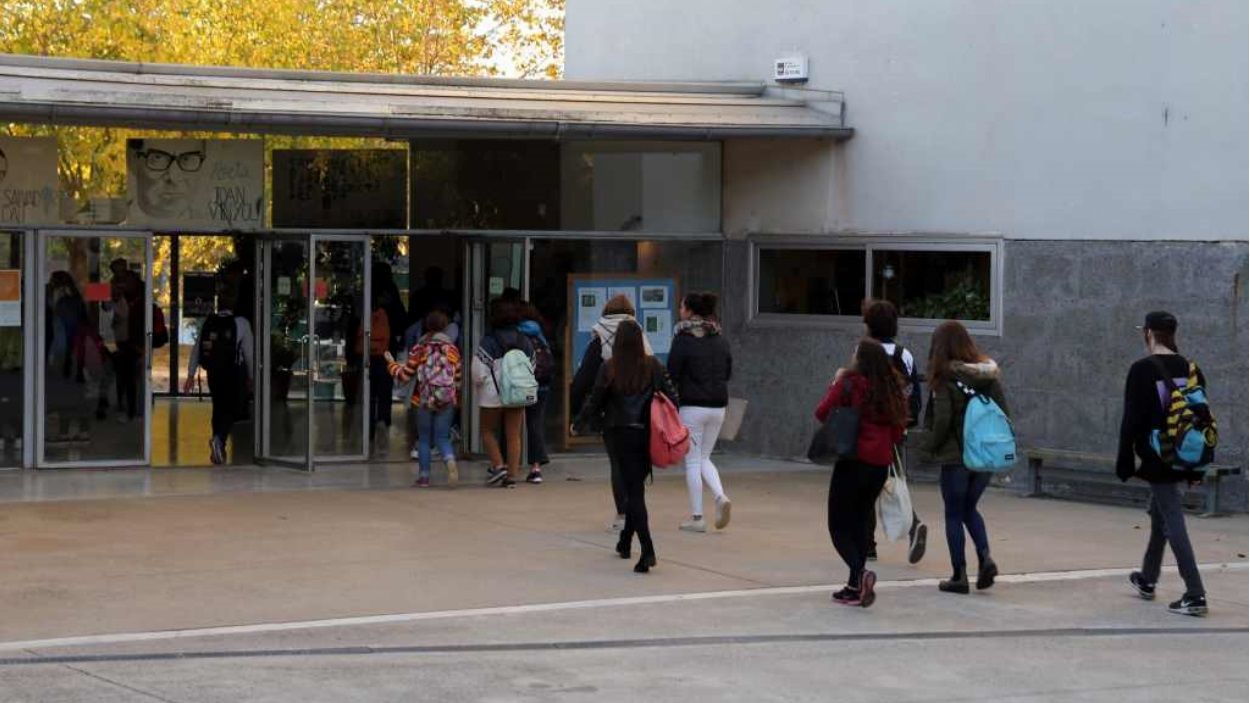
point(1093, 119)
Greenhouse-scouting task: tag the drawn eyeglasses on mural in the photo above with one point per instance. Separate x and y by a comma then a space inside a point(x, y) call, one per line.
point(161, 161)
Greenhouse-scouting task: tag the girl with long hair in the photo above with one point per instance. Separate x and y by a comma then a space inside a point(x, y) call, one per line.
point(700, 365)
point(621, 401)
point(956, 368)
point(874, 386)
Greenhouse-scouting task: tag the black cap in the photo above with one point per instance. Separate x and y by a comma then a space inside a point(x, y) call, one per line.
point(1160, 321)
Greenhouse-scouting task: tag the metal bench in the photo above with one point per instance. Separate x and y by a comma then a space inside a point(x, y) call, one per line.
point(1086, 476)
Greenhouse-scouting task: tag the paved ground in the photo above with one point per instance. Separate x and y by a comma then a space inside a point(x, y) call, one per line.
point(492, 595)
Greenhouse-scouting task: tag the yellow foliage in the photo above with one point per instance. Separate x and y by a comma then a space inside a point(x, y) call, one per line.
point(518, 38)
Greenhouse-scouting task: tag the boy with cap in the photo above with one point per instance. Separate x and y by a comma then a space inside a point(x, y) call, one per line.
point(1145, 394)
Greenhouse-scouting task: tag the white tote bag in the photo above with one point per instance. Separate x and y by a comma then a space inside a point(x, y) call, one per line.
point(894, 505)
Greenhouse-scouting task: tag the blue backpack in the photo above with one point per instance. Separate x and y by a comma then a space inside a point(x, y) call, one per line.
point(989, 441)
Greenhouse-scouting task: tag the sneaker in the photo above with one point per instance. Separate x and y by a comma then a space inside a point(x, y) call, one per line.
point(217, 450)
point(453, 473)
point(723, 506)
point(414, 454)
point(867, 584)
point(507, 481)
point(915, 548)
point(422, 482)
point(872, 553)
point(495, 475)
point(1145, 591)
point(694, 525)
point(535, 476)
point(846, 596)
point(617, 524)
point(1189, 605)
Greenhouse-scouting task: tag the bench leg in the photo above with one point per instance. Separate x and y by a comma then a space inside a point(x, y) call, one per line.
point(1033, 478)
point(1211, 507)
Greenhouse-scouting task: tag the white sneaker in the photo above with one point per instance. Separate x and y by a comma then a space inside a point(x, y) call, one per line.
point(414, 454)
point(694, 525)
point(453, 473)
point(723, 506)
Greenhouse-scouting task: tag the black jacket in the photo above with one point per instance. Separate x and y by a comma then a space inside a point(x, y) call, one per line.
point(498, 342)
point(584, 379)
point(617, 410)
point(1143, 412)
point(701, 366)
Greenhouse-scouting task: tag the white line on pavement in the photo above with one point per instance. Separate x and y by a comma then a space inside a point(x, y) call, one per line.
point(123, 637)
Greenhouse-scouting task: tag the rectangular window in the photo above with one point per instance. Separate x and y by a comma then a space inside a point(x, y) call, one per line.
point(811, 282)
point(934, 285)
point(929, 281)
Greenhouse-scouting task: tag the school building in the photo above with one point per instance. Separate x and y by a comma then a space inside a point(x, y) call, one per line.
point(1045, 173)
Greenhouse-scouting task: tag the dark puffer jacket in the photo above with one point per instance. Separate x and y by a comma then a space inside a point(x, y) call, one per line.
point(701, 364)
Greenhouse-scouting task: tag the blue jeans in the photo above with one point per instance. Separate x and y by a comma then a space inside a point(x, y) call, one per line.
point(434, 429)
point(961, 489)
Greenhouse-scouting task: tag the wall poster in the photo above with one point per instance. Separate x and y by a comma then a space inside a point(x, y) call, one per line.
point(28, 181)
point(212, 184)
point(653, 298)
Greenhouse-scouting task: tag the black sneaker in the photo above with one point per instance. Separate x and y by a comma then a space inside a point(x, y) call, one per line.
point(507, 481)
point(872, 553)
point(1146, 591)
point(535, 476)
point(217, 450)
point(496, 475)
point(915, 550)
point(1189, 605)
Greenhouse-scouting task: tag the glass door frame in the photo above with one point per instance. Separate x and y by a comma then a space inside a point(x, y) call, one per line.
point(366, 330)
point(264, 409)
point(477, 312)
point(41, 274)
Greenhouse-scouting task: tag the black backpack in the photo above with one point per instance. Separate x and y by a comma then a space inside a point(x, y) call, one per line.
point(913, 386)
point(219, 343)
point(544, 363)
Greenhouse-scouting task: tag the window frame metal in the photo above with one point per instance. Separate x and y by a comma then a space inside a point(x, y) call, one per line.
point(869, 243)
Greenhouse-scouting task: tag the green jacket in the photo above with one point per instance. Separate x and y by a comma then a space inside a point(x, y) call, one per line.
point(944, 416)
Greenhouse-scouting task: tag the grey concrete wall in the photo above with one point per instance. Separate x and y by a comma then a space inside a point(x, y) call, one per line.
point(1069, 315)
point(1117, 119)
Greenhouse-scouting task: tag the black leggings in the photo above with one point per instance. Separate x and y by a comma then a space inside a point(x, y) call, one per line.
point(630, 447)
point(853, 491)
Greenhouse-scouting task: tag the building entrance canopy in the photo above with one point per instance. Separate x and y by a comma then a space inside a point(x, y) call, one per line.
point(175, 97)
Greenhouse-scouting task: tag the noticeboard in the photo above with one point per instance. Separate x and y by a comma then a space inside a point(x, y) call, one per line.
point(654, 299)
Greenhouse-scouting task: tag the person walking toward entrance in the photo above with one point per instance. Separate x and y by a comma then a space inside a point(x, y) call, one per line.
point(224, 349)
point(700, 365)
point(381, 384)
point(1147, 392)
point(434, 362)
point(616, 311)
point(881, 322)
point(620, 402)
point(544, 372)
point(488, 389)
point(957, 368)
point(874, 388)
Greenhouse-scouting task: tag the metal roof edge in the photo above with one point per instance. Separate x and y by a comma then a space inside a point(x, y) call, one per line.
point(747, 88)
point(244, 122)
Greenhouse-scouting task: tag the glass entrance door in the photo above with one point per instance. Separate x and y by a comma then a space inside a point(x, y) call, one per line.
point(94, 354)
point(314, 340)
point(493, 267)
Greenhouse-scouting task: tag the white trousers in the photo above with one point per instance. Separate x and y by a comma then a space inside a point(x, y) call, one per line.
point(704, 425)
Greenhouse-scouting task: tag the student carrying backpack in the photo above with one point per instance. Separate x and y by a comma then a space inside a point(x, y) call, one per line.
point(504, 384)
point(435, 363)
point(536, 412)
point(962, 382)
point(1168, 426)
point(224, 349)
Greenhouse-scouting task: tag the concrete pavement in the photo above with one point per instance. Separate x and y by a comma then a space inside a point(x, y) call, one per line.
point(127, 565)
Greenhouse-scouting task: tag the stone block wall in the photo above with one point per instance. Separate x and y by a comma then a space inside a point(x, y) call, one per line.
point(1070, 308)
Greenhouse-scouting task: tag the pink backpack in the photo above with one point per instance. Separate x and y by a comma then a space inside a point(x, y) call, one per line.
point(670, 440)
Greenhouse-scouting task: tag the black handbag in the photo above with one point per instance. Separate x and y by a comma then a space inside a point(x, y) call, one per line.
point(837, 437)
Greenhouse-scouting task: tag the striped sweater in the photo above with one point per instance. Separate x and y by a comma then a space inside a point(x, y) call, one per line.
point(418, 355)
